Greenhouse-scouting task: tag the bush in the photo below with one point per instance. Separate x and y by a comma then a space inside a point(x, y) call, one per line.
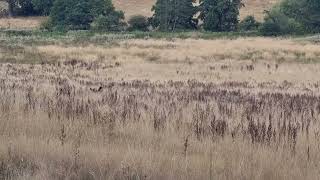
point(270, 28)
point(112, 22)
point(43, 6)
point(277, 23)
point(249, 23)
point(80, 14)
point(138, 23)
point(293, 17)
point(306, 12)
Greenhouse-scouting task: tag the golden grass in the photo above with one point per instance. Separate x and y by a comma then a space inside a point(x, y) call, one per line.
point(246, 108)
point(204, 60)
point(256, 8)
point(21, 23)
point(134, 7)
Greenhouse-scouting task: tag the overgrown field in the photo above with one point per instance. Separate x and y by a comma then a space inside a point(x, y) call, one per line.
point(117, 107)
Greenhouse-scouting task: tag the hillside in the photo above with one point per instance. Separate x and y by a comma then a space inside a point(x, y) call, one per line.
point(131, 7)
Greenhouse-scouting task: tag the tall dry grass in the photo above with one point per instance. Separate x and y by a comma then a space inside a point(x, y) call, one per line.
point(147, 109)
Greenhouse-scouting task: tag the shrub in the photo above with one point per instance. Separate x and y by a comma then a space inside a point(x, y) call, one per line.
point(306, 12)
point(277, 23)
point(138, 23)
point(111, 22)
point(270, 28)
point(249, 23)
point(80, 14)
point(293, 17)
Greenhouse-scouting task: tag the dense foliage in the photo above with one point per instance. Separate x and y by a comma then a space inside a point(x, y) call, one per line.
point(306, 12)
point(79, 15)
point(110, 22)
point(43, 6)
point(220, 15)
point(138, 23)
point(172, 15)
point(277, 23)
point(21, 8)
point(249, 23)
point(287, 17)
point(293, 17)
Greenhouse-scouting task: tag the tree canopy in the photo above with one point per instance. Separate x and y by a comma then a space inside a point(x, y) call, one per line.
point(43, 6)
point(306, 12)
point(78, 15)
point(171, 15)
point(220, 15)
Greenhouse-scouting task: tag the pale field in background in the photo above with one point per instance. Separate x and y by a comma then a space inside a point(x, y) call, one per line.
point(24, 23)
point(132, 7)
point(220, 60)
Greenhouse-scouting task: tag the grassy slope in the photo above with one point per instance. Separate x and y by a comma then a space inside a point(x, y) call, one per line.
point(132, 7)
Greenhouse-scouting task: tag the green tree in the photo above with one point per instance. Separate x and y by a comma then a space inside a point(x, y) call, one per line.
point(20, 8)
point(220, 15)
point(171, 15)
point(43, 6)
point(79, 14)
point(277, 23)
point(306, 12)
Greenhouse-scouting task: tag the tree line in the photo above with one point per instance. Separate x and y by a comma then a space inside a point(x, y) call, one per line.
point(287, 17)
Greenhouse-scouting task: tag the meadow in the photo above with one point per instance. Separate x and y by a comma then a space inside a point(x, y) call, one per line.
point(150, 106)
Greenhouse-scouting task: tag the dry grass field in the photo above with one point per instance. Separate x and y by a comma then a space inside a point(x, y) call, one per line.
point(109, 106)
point(25, 23)
point(246, 108)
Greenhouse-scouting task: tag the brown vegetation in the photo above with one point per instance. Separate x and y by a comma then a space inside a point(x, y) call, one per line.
point(160, 109)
